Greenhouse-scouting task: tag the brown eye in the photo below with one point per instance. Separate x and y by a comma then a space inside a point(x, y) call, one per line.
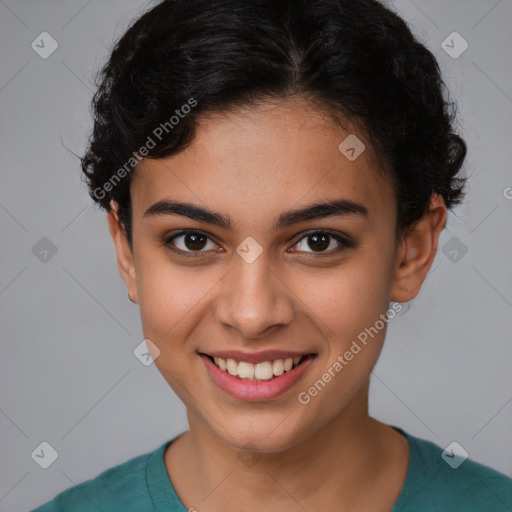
point(322, 242)
point(194, 241)
point(188, 242)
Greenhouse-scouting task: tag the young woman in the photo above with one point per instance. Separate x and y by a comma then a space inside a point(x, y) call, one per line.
point(276, 175)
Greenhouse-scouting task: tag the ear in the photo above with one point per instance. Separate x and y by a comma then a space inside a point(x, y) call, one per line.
point(123, 252)
point(417, 250)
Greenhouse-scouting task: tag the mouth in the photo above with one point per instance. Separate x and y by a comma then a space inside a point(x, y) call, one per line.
point(256, 377)
point(257, 372)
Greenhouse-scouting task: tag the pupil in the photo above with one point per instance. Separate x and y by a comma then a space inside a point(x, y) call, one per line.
point(320, 241)
point(194, 238)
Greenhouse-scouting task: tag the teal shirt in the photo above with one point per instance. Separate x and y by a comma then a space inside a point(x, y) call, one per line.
point(142, 485)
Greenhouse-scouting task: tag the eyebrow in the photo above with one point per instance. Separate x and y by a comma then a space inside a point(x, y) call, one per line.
point(288, 218)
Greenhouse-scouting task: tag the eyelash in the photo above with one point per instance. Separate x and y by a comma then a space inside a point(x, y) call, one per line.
point(343, 241)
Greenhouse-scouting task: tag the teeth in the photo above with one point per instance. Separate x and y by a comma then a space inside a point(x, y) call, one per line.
point(246, 370)
point(260, 372)
point(263, 371)
point(278, 367)
point(232, 366)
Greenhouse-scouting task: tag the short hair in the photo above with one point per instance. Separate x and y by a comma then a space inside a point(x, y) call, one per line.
point(354, 59)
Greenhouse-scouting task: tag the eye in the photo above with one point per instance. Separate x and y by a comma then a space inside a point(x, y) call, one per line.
point(320, 241)
point(189, 242)
point(195, 243)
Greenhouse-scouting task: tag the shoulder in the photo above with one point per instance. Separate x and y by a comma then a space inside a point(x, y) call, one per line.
point(446, 480)
point(122, 487)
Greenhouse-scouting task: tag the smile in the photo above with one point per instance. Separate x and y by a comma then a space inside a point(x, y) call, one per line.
point(267, 370)
point(265, 377)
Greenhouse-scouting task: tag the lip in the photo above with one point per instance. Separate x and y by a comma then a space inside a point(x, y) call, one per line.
point(254, 391)
point(256, 357)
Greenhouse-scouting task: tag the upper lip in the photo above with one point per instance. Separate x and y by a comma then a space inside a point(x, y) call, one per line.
point(255, 357)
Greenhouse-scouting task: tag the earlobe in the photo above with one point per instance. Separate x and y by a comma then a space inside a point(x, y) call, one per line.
point(124, 254)
point(417, 250)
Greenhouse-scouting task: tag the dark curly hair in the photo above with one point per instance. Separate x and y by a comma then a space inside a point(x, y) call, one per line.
point(355, 59)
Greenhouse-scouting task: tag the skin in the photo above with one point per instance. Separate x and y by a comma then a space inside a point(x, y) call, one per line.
point(251, 165)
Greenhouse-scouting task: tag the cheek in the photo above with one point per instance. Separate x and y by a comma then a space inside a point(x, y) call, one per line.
point(170, 304)
point(351, 298)
point(170, 301)
point(350, 306)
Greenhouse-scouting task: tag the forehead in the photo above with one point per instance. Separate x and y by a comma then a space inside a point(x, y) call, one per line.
point(256, 162)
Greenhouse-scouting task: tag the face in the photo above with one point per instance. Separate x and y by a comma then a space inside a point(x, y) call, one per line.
point(257, 284)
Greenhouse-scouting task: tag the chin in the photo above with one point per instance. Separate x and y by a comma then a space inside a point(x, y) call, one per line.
point(264, 435)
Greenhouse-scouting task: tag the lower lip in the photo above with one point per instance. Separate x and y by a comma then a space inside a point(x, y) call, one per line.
point(255, 391)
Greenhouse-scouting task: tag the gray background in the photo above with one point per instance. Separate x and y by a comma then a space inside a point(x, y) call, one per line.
point(68, 374)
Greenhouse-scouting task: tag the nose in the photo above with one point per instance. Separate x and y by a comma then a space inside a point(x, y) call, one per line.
point(253, 299)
